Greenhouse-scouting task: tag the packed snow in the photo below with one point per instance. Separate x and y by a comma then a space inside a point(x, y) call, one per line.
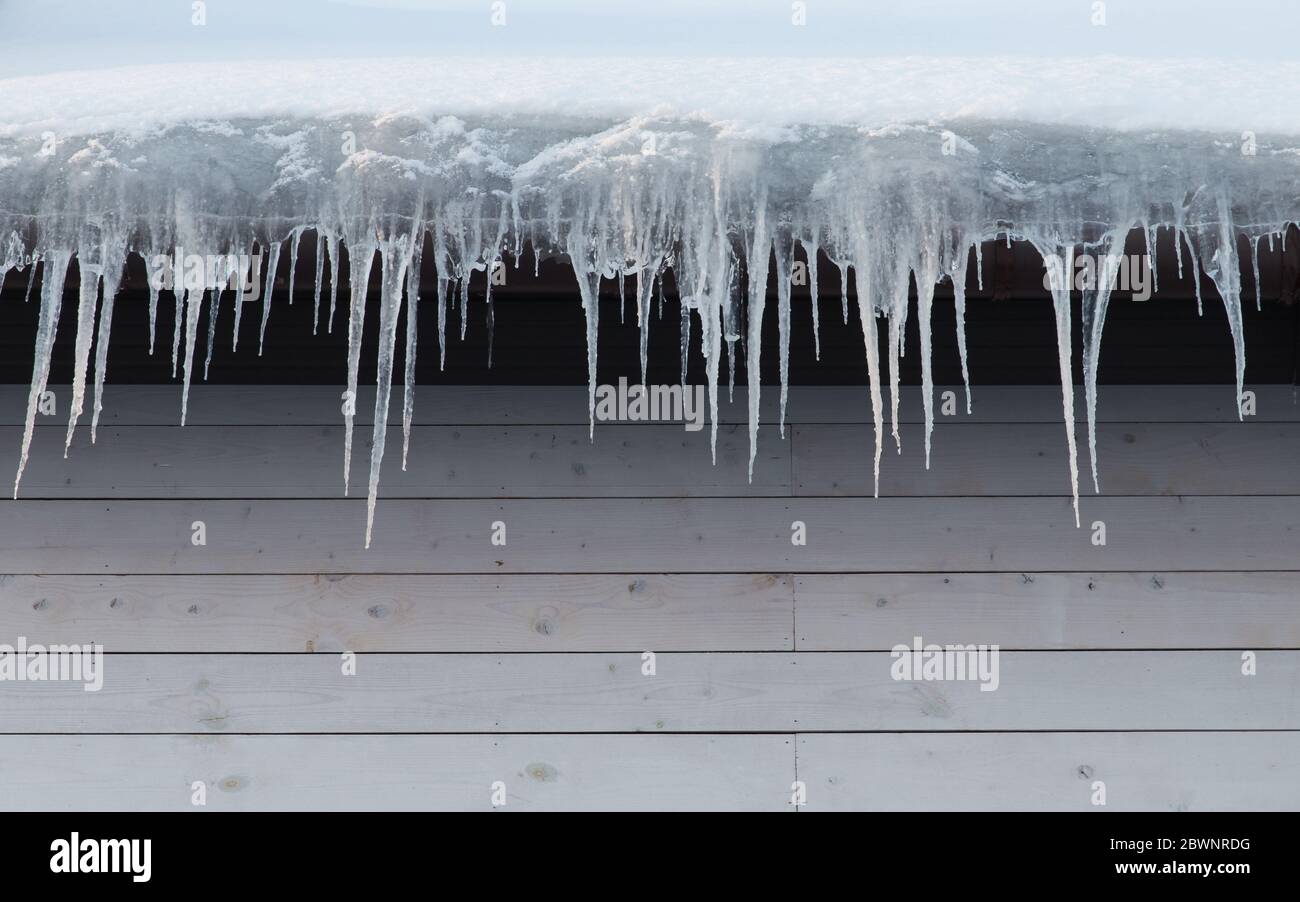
point(718, 170)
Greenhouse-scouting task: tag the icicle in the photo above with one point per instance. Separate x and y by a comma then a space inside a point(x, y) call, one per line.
point(54, 266)
point(153, 302)
point(686, 340)
point(1149, 231)
point(87, 308)
point(760, 251)
point(783, 249)
point(731, 333)
point(396, 253)
point(31, 280)
point(1093, 308)
point(1196, 271)
point(895, 366)
point(295, 238)
point(810, 251)
point(731, 371)
point(193, 307)
point(961, 261)
point(1225, 270)
point(871, 345)
point(494, 259)
point(230, 267)
point(464, 272)
point(844, 290)
point(361, 255)
point(643, 288)
point(443, 288)
point(645, 281)
point(178, 292)
point(463, 295)
point(490, 320)
point(332, 243)
point(214, 311)
point(1254, 266)
point(113, 257)
point(1059, 280)
point(412, 307)
point(442, 285)
point(589, 290)
point(320, 271)
point(272, 264)
point(926, 278)
point(254, 279)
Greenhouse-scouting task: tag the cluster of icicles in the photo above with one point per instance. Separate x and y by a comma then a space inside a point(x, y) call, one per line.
point(632, 201)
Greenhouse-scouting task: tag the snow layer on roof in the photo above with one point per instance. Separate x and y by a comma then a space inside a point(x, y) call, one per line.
point(1100, 92)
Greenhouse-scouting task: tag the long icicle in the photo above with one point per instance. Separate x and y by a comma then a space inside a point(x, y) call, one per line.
point(54, 270)
point(760, 251)
point(87, 308)
point(272, 264)
point(783, 248)
point(589, 289)
point(871, 345)
point(361, 256)
point(395, 258)
point(113, 256)
point(412, 332)
point(1059, 278)
point(320, 271)
point(1093, 309)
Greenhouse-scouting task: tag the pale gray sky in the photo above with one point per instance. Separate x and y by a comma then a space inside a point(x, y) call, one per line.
point(50, 35)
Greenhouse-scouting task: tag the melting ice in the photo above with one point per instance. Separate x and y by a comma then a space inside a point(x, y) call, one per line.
point(725, 209)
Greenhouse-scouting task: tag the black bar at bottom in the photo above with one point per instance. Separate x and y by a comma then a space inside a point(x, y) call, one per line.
point(332, 851)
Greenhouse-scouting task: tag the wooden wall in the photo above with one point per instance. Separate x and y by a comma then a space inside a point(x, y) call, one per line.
point(477, 663)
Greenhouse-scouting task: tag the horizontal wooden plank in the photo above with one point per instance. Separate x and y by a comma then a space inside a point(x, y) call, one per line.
point(1051, 771)
point(254, 405)
point(661, 460)
point(655, 535)
point(444, 461)
point(608, 692)
point(1249, 458)
point(386, 613)
point(1049, 610)
point(397, 773)
point(687, 612)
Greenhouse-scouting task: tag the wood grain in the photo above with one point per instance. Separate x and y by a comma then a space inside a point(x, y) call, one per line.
point(444, 462)
point(1050, 610)
point(396, 773)
point(967, 459)
point(386, 613)
point(653, 535)
point(691, 693)
point(1141, 771)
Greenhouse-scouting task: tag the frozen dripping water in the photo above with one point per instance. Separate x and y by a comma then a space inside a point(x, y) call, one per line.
point(717, 208)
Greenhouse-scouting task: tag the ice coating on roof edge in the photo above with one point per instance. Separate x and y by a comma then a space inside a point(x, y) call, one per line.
point(715, 206)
